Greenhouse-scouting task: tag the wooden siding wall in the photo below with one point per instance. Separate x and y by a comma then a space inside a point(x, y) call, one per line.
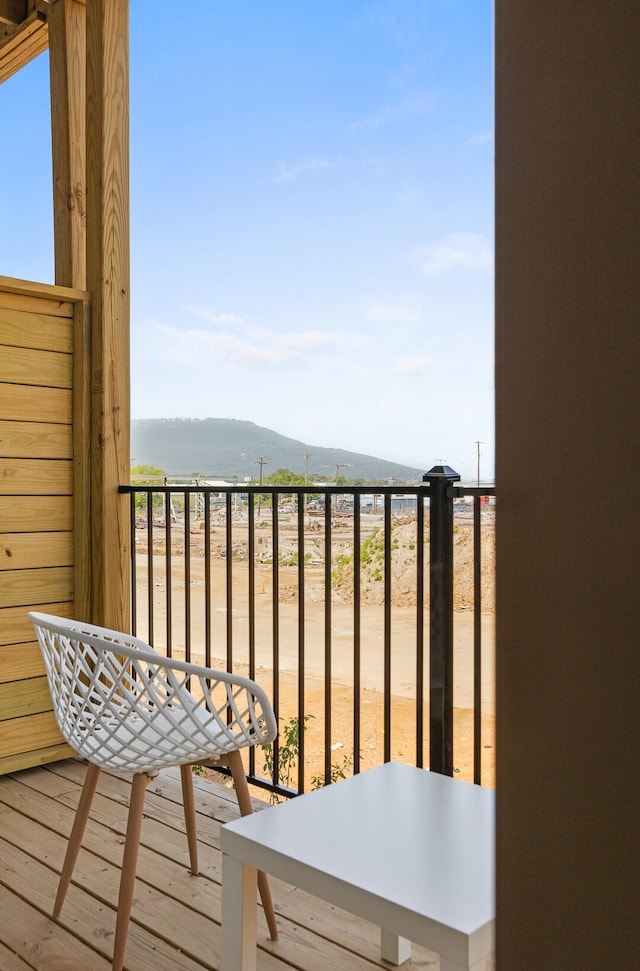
point(42, 493)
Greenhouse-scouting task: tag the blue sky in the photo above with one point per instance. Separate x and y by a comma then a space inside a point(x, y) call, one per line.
point(311, 219)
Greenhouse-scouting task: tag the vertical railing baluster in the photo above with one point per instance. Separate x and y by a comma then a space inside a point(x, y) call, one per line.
point(387, 627)
point(207, 579)
point(477, 643)
point(420, 623)
point(150, 618)
point(251, 568)
point(300, 510)
point(168, 593)
point(327, 637)
point(132, 540)
point(187, 576)
point(229, 581)
point(275, 618)
point(251, 580)
point(357, 659)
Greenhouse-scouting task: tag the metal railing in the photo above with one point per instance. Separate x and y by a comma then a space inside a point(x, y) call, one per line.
point(340, 599)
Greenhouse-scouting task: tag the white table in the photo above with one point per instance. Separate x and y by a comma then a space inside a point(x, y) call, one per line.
point(409, 850)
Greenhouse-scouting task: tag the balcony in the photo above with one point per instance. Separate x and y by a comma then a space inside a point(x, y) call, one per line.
point(333, 599)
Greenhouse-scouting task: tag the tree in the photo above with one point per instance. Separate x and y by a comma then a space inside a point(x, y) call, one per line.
point(284, 477)
point(147, 475)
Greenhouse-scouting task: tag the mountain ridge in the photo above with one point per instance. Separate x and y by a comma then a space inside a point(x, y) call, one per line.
point(231, 447)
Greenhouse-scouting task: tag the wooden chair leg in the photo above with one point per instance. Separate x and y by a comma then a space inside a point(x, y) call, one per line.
point(234, 760)
point(189, 805)
point(77, 832)
point(129, 863)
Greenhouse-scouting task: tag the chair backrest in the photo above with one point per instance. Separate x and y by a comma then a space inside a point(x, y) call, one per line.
point(123, 706)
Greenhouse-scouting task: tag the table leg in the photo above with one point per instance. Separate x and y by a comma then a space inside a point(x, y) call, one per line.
point(239, 889)
point(394, 949)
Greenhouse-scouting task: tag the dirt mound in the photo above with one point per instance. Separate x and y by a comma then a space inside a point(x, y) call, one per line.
point(404, 571)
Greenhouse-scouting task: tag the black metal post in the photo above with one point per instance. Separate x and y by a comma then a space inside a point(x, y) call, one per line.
point(440, 478)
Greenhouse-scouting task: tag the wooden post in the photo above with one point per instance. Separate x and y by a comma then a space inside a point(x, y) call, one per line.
point(108, 283)
point(67, 60)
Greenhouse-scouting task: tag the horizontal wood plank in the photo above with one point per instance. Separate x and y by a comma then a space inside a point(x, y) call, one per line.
point(48, 295)
point(18, 661)
point(38, 298)
point(36, 514)
point(35, 477)
point(28, 734)
point(17, 629)
point(25, 551)
point(30, 696)
point(23, 403)
point(26, 587)
point(35, 368)
point(36, 757)
point(43, 331)
point(35, 440)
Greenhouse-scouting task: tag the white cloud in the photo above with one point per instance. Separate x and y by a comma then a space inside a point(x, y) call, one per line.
point(232, 340)
point(290, 171)
point(413, 106)
point(467, 251)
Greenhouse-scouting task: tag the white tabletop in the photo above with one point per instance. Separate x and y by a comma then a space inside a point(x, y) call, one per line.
point(411, 838)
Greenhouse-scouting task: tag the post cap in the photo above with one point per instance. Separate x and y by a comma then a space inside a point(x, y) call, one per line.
point(440, 472)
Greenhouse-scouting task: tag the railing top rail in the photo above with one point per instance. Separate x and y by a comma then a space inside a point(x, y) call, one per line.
point(350, 490)
point(457, 492)
point(423, 489)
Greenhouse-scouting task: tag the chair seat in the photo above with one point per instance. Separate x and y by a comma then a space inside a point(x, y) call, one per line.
point(132, 744)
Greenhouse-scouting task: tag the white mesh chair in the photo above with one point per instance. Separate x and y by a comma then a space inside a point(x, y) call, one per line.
point(125, 708)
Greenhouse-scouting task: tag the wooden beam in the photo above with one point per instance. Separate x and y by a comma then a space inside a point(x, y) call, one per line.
point(108, 282)
point(13, 12)
point(67, 59)
point(22, 43)
point(52, 299)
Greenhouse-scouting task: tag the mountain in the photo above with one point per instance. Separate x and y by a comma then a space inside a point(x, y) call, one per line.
point(227, 447)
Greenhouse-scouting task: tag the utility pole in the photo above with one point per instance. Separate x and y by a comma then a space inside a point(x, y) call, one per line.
point(261, 460)
point(478, 444)
point(306, 456)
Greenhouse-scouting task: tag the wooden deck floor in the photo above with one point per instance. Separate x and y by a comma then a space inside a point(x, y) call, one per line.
point(175, 922)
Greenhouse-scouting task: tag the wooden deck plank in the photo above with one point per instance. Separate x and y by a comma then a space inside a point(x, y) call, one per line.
point(9, 960)
point(175, 916)
point(38, 942)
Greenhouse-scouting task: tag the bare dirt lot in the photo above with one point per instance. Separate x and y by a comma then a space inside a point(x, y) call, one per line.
point(227, 619)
